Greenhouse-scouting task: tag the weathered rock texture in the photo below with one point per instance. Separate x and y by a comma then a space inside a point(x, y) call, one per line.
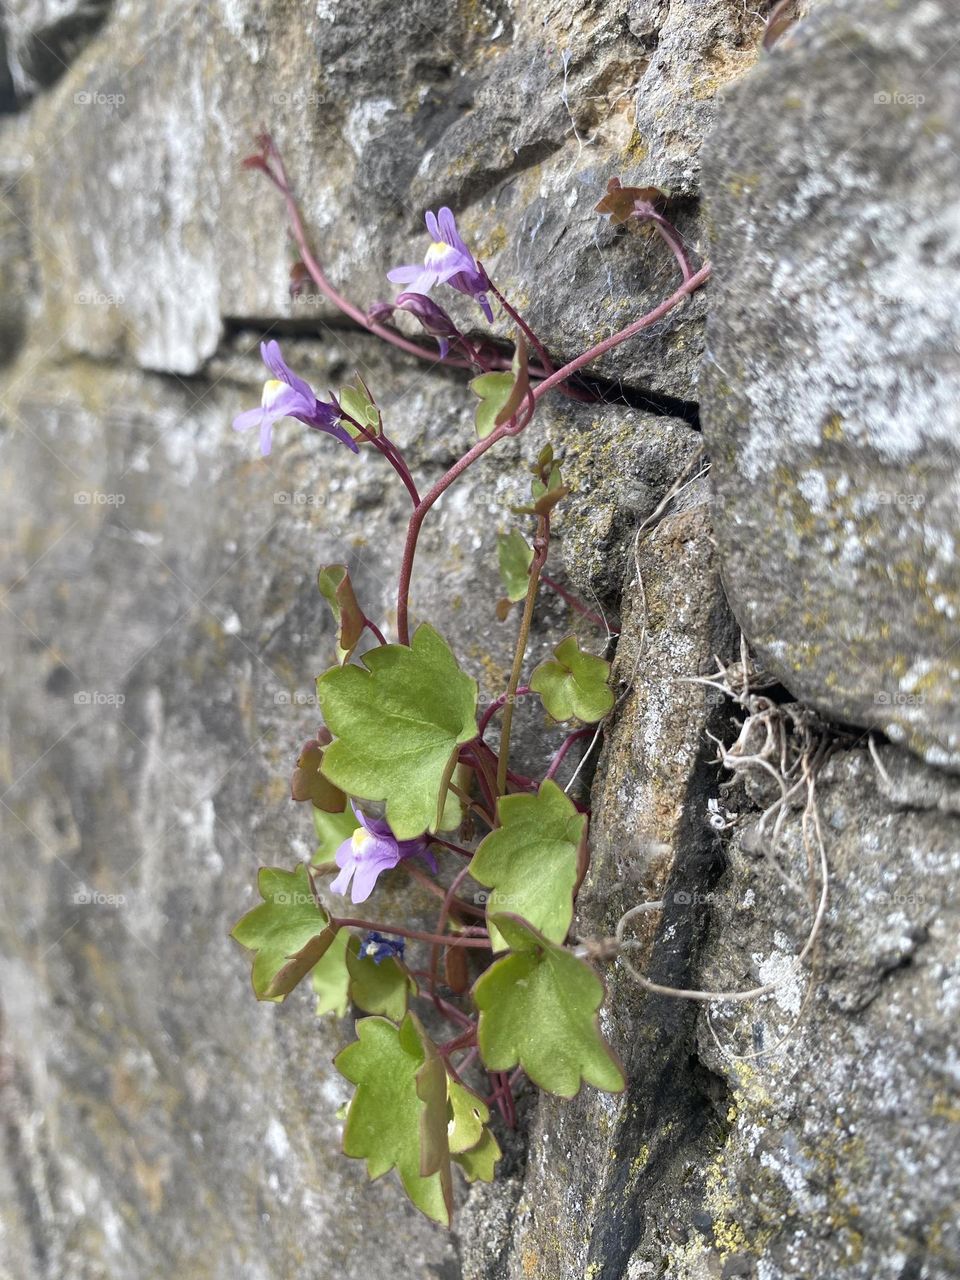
point(160, 632)
point(833, 375)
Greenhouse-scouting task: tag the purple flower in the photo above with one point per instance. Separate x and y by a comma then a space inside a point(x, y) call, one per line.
point(378, 948)
point(431, 316)
point(447, 261)
point(287, 396)
point(371, 849)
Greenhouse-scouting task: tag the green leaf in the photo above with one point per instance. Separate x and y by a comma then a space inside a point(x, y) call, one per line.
point(378, 988)
point(531, 861)
point(289, 931)
point(515, 560)
point(308, 782)
point(452, 814)
point(330, 978)
point(337, 589)
point(538, 1007)
point(546, 487)
point(332, 829)
point(468, 1115)
point(478, 1164)
point(398, 727)
point(432, 1091)
point(494, 390)
point(389, 1123)
point(573, 684)
point(501, 394)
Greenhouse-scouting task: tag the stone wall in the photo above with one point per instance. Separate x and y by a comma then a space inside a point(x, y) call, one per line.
point(160, 626)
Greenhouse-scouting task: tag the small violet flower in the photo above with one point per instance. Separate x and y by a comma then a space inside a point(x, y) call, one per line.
point(447, 261)
point(432, 317)
point(372, 849)
point(287, 396)
point(378, 948)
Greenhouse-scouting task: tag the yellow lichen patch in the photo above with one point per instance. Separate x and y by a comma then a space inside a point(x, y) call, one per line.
point(945, 1108)
point(636, 149)
point(832, 430)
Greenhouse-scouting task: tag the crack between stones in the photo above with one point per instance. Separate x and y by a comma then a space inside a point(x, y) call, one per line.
point(606, 390)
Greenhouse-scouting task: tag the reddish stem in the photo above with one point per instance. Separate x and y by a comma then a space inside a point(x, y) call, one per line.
point(512, 429)
point(615, 339)
point(497, 704)
point(372, 626)
point(565, 746)
point(450, 940)
point(442, 924)
point(573, 602)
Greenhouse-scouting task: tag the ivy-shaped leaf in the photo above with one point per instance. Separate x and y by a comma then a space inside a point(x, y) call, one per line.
point(621, 202)
point(531, 861)
point(385, 1122)
point(538, 1007)
point(289, 931)
point(432, 1092)
point(378, 988)
point(468, 1115)
point(330, 978)
point(573, 684)
point(337, 589)
point(332, 829)
point(343, 974)
point(479, 1163)
point(515, 559)
point(501, 394)
point(494, 391)
point(398, 727)
point(308, 782)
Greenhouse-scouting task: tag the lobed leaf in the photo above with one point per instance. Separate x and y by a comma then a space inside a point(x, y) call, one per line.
point(309, 783)
point(621, 202)
point(330, 978)
point(538, 1007)
point(378, 988)
point(399, 724)
point(531, 861)
point(289, 931)
point(479, 1163)
point(337, 589)
point(397, 1117)
point(574, 684)
point(502, 394)
point(358, 402)
point(515, 558)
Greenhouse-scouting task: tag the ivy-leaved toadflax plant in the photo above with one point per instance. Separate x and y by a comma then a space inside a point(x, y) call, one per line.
point(402, 780)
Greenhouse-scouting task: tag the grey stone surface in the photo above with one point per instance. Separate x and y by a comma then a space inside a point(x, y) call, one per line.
point(836, 1153)
point(516, 118)
point(160, 629)
point(832, 378)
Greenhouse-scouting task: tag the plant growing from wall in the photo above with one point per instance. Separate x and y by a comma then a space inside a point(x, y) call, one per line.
point(404, 772)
